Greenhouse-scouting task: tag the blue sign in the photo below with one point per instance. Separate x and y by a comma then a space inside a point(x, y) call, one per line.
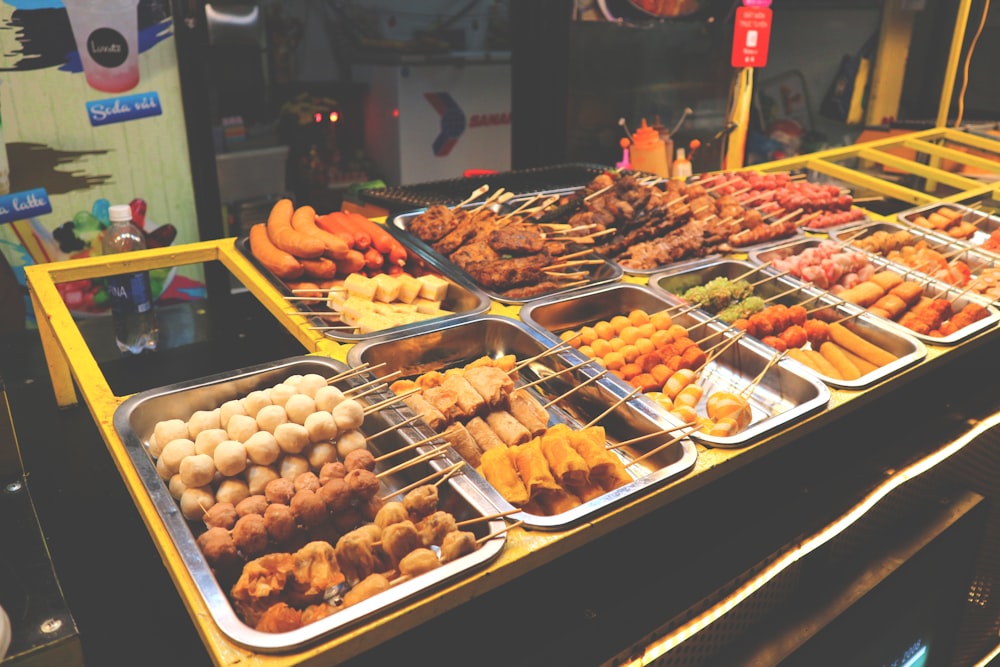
point(119, 109)
point(25, 204)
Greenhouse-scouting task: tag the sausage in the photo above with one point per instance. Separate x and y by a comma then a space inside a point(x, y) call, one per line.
point(382, 240)
point(859, 346)
point(352, 262)
point(333, 223)
point(374, 259)
point(282, 264)
point(283, 235)
point(863, 365)
point(321, 268)
point(362, 236)
point(304, 221)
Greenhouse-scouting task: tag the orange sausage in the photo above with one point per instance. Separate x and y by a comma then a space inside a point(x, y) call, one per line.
point(386, 243)
point(362, 236)
point(304, 221)
point(334, 224)
point(374, 259)
point(353, 262)
point(277, 261)
point(283, 235)
point(321, 268)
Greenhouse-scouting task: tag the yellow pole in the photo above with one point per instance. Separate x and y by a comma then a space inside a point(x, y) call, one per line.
point(740, 118)
point(957, 38)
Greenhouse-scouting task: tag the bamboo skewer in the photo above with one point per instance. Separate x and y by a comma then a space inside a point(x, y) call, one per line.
point(640, 438)
point(398, 425)
point(583, 384)
point(557, 373)
point(748, 390)
point(555, 348)
point(406, 448)
point(351, 372)
point(416, 460)
point(656, 450)
point(476, 194)
point(614, 406)
point(444, 473)
point(389, 401)
point(500, 531)
point(487, 517)
point(382, 380)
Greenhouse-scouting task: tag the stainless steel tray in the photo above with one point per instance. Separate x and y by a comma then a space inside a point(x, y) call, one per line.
point(985, 223)
point(461, 343)
point(978, 262)
point(605, 272)
point(779, 289)
point(932, 288)
point(136, 418)
point(784, 394)
point(463, 298)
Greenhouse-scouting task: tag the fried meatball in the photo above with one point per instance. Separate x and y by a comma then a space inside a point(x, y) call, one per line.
point(362, 483)
point(218, 547)
point(421, 501)
point(306, 480)
point(280, 522)
point(434, 527)
point(280, 490)
point(418, 561)
point(255, 504)
point(456, 544)
point(392, 512)
point(331, 470)
point(221, 515)
point(250, 535)
point(399, 539)
point(360, 459)
point(308, 508)
point(335, 495)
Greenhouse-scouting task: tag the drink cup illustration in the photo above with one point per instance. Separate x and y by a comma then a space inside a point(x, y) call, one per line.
point(107, 38)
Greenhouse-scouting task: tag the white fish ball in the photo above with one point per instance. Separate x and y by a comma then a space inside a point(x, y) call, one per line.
point(270, 417)
point(241, 427)
point(293, 381)
point(262, 448)
point(208, 439)
point(232, 490)
point(170, 429)
point(202, 420)
point(162, 470)
point(154, 446)
point(348, 441)
point(291, 437)
point(230, 408)
point(195, 501)
point(327, 398)
point(299, 406)
point(174, 452)
point(349, 415)
point(321, 426)
point(255, 400)
point(292, 465)
point(281, 393)
point(197, 470)
point(311, 383)
point(230, 457)
point(320, 453)
point(258, 476)
point(176, 486)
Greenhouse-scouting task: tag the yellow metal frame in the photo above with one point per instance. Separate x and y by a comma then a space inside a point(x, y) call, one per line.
point(73, 369)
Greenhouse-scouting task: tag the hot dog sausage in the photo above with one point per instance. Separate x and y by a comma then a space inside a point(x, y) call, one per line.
point(277, 261)
point(304, 221)
point(859, 346)
point(382, 240)
point(283, 235)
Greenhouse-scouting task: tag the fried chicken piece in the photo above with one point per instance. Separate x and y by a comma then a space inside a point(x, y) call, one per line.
point(421, 501)
point(264, 577)
point(354, 555)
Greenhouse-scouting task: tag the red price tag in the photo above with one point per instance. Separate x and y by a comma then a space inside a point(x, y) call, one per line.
point(751, 35)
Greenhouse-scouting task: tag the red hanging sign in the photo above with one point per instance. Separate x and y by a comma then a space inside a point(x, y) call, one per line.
point(751, 34)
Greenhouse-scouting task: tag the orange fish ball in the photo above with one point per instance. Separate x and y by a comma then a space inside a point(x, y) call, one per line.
point(644, 345)
point(604, 330)
point(619, 322)
point(661, 320)
point(677, 331)
point(587, 350)
point(617, 344)
point(661, 338)
point(614, 360)
point(638, 317)
point(587, 335)
point(647, 329)
point(630, 352)
point(601, 347)
point(572, 337)
point(629, 334)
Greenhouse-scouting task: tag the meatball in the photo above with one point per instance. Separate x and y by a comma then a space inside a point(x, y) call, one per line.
point(456, 544)
point(418, 561)
point(331, 470)
point(279, 520)
point(434, 527)
point(255, 504)
point(362, 483)
point(422, 500)
point(360, 459)
point(399, 539)
point(280, 490)
point(335, 494)
point(221, 515)
point(250, 535)
point(219, 549)
point(306, 480)
point(308, 508)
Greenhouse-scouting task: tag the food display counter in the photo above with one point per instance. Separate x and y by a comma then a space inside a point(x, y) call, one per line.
point(723, 539)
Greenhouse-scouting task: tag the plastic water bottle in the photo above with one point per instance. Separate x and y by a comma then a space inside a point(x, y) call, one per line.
point(131, 296)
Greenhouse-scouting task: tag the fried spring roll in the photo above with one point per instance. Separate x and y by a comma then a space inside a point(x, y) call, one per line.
point(510, 430)
point(484, 436)
point(498, 469)
point(420, 406)
point(469, 402)
point(529, 412)
point(533, 468)
point(605, 467)
point(463, 442)
point(557, 502)
point(492, 383)
point(444, 400)
point(569, 468)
